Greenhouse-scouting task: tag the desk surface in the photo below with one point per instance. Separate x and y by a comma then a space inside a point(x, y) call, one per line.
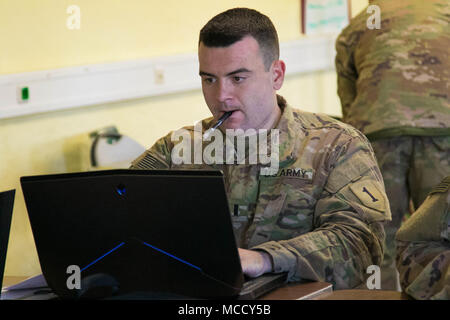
point(320, 291)
point(299, 291)
point(357, 294)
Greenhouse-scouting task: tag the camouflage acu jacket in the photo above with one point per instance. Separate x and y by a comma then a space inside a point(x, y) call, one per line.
point(320, 214)
point(423, 247)
point(395, 80)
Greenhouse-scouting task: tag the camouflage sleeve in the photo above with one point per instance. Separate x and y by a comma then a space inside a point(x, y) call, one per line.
point(346, 74)
point(157, 157)
point(424, 269)
point(348, 234)
point(423, 247)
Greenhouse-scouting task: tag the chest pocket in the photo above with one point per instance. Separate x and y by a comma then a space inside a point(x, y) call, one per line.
point(285, 210)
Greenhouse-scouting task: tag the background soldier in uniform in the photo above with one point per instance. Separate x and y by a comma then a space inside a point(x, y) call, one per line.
point(423, 242)
point(324, 224)
point(394, 87)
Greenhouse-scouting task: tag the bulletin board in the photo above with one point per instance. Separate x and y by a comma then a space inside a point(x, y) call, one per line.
point(324, 16)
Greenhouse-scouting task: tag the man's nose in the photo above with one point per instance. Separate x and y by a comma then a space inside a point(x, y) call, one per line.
point(224, 91)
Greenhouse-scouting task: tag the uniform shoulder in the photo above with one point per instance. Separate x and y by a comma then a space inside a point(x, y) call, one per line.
point(355, 28)
point(323, 122)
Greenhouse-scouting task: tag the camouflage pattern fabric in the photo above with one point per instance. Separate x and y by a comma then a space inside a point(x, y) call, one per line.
point(423, 242)
point(320, 216)
point(395, 80)
point(411, 166)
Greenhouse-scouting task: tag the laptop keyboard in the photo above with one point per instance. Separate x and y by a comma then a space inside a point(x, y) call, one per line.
point(255, 288)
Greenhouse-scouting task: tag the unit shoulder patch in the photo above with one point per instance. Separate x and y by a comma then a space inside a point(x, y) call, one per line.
point(369, 195)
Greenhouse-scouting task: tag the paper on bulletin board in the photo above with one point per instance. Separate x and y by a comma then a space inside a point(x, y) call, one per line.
point(324, 16)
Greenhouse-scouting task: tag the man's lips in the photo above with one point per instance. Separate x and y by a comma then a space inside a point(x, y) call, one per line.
point(222, 112)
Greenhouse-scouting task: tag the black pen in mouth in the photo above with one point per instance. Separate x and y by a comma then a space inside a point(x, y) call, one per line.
point(224, 117)
point(224, 112)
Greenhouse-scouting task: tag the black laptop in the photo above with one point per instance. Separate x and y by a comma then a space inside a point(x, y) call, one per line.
point(138, 233)
point(6, 209)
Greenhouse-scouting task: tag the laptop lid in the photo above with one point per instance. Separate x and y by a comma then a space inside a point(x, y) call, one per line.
point(163, 231)
point(6, 209)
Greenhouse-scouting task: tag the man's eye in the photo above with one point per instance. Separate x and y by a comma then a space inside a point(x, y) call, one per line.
point(209, 80)
point(238, 79)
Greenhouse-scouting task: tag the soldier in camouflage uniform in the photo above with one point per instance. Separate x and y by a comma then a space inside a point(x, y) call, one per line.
point(393, 83)
point(320, 215)
point(423, 242)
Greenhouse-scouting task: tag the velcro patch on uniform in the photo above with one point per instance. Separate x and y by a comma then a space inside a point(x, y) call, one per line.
point(369, 195)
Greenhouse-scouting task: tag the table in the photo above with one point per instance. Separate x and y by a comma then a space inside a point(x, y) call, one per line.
point(301, 291)
point(363, 294)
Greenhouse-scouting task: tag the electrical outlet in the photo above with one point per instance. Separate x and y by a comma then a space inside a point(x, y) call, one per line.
point(159, 75)
point(23, 94)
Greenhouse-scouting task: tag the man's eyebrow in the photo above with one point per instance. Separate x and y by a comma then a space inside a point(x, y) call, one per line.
point(238, 71)
point(202, 73)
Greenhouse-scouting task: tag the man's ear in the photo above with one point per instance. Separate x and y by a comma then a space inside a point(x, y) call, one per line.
point(278, 70)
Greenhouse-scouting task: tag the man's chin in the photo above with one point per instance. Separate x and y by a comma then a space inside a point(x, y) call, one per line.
point(225, 128)
point(232, 124)
point(235, 127)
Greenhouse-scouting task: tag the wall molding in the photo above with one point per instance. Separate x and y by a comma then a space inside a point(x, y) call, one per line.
point(59, 89)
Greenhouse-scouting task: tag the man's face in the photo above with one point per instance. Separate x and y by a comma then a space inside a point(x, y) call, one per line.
point(234, 79)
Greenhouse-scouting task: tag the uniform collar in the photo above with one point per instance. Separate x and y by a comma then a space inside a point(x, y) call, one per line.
point(288, 133)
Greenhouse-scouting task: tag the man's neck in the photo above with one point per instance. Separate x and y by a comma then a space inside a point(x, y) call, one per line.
point(274, 117)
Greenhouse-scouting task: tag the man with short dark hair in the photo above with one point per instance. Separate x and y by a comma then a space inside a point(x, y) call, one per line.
point(317, 211)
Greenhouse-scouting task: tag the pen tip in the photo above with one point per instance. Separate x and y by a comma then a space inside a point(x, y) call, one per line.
point(206, 134)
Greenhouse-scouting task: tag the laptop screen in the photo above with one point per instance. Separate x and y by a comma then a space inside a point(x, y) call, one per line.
point(163, 231)
point(6, 209)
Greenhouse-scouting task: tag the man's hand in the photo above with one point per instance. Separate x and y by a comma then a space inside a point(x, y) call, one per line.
point(255, 263)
